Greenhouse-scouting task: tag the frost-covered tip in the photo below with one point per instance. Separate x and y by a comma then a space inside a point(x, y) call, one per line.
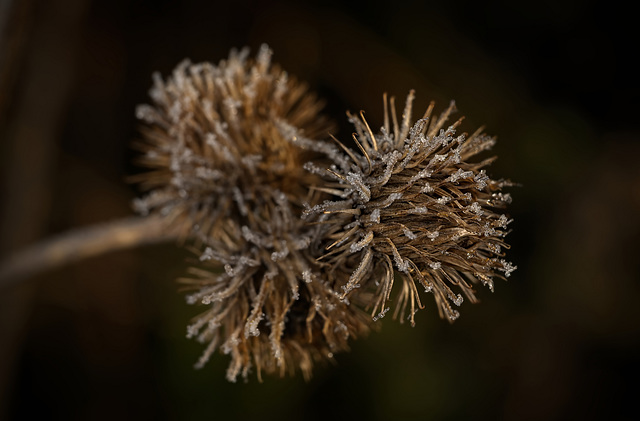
point(442, 226)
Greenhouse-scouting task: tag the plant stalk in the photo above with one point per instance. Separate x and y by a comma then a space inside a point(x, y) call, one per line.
point(82, 243)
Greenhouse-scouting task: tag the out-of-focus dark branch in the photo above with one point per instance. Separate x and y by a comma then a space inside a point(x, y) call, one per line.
point(81, 244)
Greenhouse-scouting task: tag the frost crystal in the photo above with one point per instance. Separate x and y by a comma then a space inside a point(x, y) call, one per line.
point(460, 174)
point(475, 208)
point(375, 216)
point(410, 235)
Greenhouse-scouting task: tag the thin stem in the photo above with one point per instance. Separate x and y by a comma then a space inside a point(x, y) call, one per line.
point(83, 243)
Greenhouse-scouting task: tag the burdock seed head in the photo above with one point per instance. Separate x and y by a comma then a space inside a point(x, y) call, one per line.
point(211, 140)
point(224, 172)
point(412, 206)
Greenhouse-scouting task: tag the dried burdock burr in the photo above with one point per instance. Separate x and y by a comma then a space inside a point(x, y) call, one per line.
point(412, 207)
point(225, 174)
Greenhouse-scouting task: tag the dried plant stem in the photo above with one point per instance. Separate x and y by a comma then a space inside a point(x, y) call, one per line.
point(83, 243)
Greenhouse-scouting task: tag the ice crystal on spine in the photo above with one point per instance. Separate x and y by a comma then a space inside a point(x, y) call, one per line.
point(429, 214)
point(224, 171)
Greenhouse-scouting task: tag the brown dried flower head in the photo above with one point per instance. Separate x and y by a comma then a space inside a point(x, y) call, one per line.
point(413, 207)
point(223, 171)
point(297, 236)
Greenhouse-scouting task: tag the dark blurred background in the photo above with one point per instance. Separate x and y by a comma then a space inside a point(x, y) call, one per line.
point(554, 80)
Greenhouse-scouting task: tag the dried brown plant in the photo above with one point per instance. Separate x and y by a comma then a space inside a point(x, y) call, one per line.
point(412, 205)
point(295, 236)
point(223, 171)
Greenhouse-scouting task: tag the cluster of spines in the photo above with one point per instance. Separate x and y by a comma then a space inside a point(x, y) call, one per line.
point(411, 204)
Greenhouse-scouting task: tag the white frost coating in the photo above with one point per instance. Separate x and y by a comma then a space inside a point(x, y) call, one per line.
point(475, 208)
point(411, 150)
point(422, 174)
point(141, 206)
point(237, 196)
point(355, 276)
point(152, 154)
point(278, 255)
point(456, 299)
point(443, 200)
point(229, 270)
point(486, 281)
point(323, 207)
point(194, 328)
point(157, 92)
point(437, 158)
point(381, 314)
point(435, 265)
point(455, 158)
point(254, 238)
point(247, 261)
point(232, 104)
point(459, 175)
point(275, 342)
point(433, 235)
point(390, 199)
point(356, 181)
point(147, 113)
point(453, 315)
point(281, 86)
point(263, 61)
point(295, 293)
point(503, 197)
point(419, 210)
point(342, 328)
point(207, 254)
point(211, 140)
point(494, 248)
point(426, 188)
point(301, 242)
point(390, 159)
point(481, 179)
point(208, 173)
point(375, 216)
point(175, 112)
point(507, 267)
point(251, 328)
point(230, 343)
point(251, 161)
point(488, 230)
point(401, 264)
point(306, 276)
point(503, 221)
point(409, 234)
point(356, 247)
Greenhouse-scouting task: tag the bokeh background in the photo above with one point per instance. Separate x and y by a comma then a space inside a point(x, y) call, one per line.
point(553, 79)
